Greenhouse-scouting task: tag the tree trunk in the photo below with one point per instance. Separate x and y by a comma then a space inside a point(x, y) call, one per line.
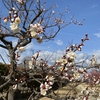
point(11, 94)
point(12, 59)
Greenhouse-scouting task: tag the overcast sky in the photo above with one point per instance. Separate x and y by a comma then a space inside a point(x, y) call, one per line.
point(88, 9)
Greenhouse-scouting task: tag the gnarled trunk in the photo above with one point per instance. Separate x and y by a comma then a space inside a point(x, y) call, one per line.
point(11, 94)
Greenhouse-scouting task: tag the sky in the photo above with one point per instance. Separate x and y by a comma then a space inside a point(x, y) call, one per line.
point(88, 9)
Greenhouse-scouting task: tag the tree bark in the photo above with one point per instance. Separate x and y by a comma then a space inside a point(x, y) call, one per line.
point(11, 94)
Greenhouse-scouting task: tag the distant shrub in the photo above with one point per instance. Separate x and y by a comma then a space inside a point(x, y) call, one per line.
point(4, 69)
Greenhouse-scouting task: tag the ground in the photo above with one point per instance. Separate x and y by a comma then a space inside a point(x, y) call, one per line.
point(64, 90)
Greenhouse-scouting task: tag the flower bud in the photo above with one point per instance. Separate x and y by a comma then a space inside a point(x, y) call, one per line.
point(13, 8)
point(5, 20)
point(12, 20)
point(15, 15)
point(10, 12)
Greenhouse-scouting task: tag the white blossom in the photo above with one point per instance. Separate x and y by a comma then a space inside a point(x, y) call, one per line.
point(14, 27)
point(76, 75)
point(21, 49)
point(36, 28)
point(43, 92)
point(81, 70)
point(33, 28)
point(85, 91)
point(34, 34)
point(17, 20)
point(47, 86)
point(62, 61)
point(36, 55)
point(71, 55)
point(43, 89)
point(51, 83)
point(60, 68)
point(15, 86)
point(31, 65)
point(20, 1)
point(50, 78)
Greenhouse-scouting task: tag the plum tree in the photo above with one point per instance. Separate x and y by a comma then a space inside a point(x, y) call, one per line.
point(29, 20)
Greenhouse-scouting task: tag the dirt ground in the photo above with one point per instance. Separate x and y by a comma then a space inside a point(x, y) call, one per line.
point(64, 90)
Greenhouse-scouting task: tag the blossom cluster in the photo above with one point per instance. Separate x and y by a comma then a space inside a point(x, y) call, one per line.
point(66, 59)
point(21, 1)
point(87, 93)
point(73, 74)
point(78, 47)
point(69, 57)
point(19, 51)
point(94, 77)
point(34, 62)
point(35, 30)
point(14, 20)
point(37, 61)
point(44, 87)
